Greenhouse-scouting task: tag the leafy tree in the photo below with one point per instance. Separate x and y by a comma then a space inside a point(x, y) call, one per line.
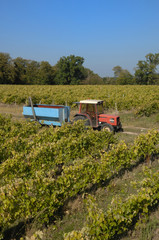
point(91, 78)
point(152, 58)
point(109, 81)
point(20, 69)
point(32, 68)
point(156, 79)
point(46, 73)
point(123, 76)
point(69, 70)
point(6, 69)
point(144, 73)
point(146, 70)
point(117, 70)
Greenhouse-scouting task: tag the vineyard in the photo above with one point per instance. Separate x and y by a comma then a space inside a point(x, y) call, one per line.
point(143, 99)
point(44, 169)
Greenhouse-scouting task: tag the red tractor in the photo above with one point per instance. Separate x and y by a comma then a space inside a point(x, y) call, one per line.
point(92, 112)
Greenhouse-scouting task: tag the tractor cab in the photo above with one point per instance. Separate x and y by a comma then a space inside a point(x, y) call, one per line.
point(92, 112)
point(91, 109)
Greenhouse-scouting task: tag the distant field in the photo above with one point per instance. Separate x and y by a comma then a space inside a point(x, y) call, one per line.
point(143, 99)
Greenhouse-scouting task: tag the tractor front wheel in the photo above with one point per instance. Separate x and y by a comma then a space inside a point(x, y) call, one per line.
point(107, 127)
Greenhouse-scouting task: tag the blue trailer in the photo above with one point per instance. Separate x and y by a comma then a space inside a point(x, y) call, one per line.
point(54, 115)
point(91, 111)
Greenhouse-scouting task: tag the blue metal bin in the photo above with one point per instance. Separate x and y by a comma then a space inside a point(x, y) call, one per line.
point(54, 115)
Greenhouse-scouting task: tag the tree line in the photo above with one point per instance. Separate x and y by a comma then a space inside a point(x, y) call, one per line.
point(70, 71)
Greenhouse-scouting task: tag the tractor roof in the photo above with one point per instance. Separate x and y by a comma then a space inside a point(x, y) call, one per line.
point(91, 101)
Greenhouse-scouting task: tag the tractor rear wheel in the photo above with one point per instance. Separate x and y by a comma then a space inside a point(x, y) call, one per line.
point(107, 127)
point(76, 118)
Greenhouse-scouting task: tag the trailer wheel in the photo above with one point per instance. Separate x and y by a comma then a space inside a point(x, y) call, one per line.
point(107, 127)
point(76, 118)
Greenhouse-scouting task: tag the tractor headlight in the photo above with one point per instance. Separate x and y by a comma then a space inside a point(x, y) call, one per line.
point(112, 120)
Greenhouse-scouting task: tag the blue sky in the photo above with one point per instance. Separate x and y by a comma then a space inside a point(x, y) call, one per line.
point(106, 33)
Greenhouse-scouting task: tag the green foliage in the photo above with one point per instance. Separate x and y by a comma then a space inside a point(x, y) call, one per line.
point(39, 176)
point(120, 215)
point(146, 70)
point(147, 110)
point(117, 70)
point(142, 99)
point(122, 76)
point(6, 69)
point(32, 72)
point(91, 78)
point(12, 140)
point(125, 78)
point(48, 166)
point(145, 144)
point(46, 74)
point(69, 70)
point(20, 66)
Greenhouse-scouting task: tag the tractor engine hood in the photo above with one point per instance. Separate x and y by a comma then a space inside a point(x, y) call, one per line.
point(111, 119)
